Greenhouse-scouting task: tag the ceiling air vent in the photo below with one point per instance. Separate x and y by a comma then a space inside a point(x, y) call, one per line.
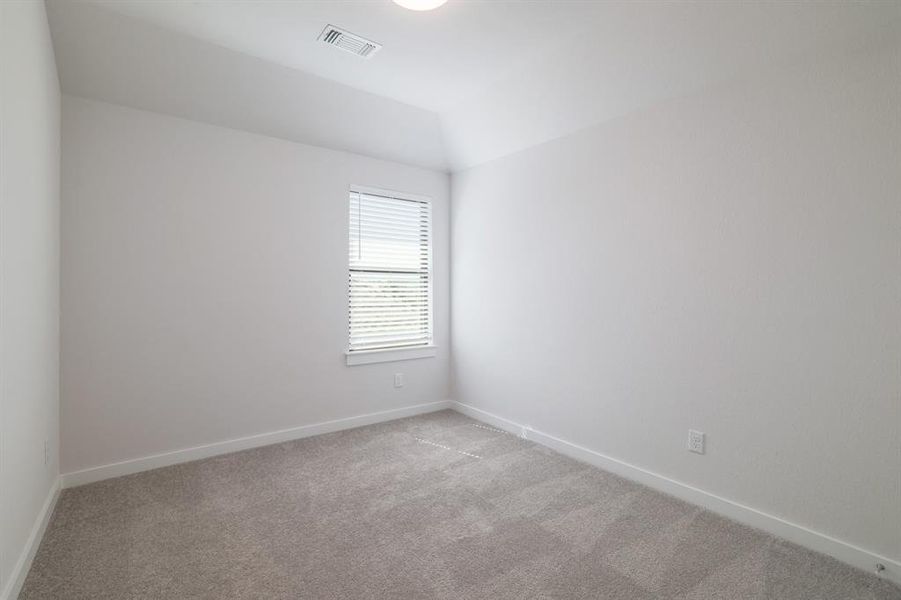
point(348, 41)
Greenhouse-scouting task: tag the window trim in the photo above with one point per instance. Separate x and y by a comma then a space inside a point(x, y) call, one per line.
point(367, 357)
point(378, 355)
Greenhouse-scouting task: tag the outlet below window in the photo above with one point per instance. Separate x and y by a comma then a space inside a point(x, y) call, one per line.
point(696, 441)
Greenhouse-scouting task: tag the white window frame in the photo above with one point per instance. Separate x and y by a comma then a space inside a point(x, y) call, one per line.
point(363, 357)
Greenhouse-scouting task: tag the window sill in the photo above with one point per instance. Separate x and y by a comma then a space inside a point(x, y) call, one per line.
point(366, 357)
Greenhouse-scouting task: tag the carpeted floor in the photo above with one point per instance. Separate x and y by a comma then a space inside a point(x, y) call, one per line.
point(437, 506)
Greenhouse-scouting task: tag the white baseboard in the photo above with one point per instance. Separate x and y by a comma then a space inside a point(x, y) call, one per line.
point(165, 459)
point(798, 534)
point(20, 570)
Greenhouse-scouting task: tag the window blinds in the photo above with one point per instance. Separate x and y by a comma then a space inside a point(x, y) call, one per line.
point(390, 272)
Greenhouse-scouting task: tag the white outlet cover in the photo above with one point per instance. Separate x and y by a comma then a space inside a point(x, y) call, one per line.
point(696, 441)
point(398, 380)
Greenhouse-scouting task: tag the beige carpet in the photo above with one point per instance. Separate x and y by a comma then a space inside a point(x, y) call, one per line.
point(437, 506)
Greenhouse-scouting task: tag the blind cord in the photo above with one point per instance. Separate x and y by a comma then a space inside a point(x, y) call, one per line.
point(359, 228)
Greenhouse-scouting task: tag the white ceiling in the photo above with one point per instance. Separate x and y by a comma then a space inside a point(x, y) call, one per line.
point(469, 82)
point(105, 56)
point(430, 59)
point(641, 53)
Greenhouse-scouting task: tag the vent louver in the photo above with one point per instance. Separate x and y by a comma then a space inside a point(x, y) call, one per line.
point(349, 42)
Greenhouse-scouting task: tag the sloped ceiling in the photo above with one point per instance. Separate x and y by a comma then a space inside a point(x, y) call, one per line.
point(650, 52)
point(105, 56)
point(452, 88)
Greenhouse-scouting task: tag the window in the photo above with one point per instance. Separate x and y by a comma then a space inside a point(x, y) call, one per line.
point(390, 276)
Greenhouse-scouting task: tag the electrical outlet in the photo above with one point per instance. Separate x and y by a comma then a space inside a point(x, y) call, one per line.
point(398, 380)
point(696, 441)
point(525, 432)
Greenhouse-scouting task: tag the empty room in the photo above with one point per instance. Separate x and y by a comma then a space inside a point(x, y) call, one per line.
point(450, 299)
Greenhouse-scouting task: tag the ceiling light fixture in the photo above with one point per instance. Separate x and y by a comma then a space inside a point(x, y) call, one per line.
point(420, 4)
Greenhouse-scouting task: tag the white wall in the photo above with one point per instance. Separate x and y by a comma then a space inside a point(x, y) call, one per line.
point(29, 278)
point(204, 285)
point(729, 262)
